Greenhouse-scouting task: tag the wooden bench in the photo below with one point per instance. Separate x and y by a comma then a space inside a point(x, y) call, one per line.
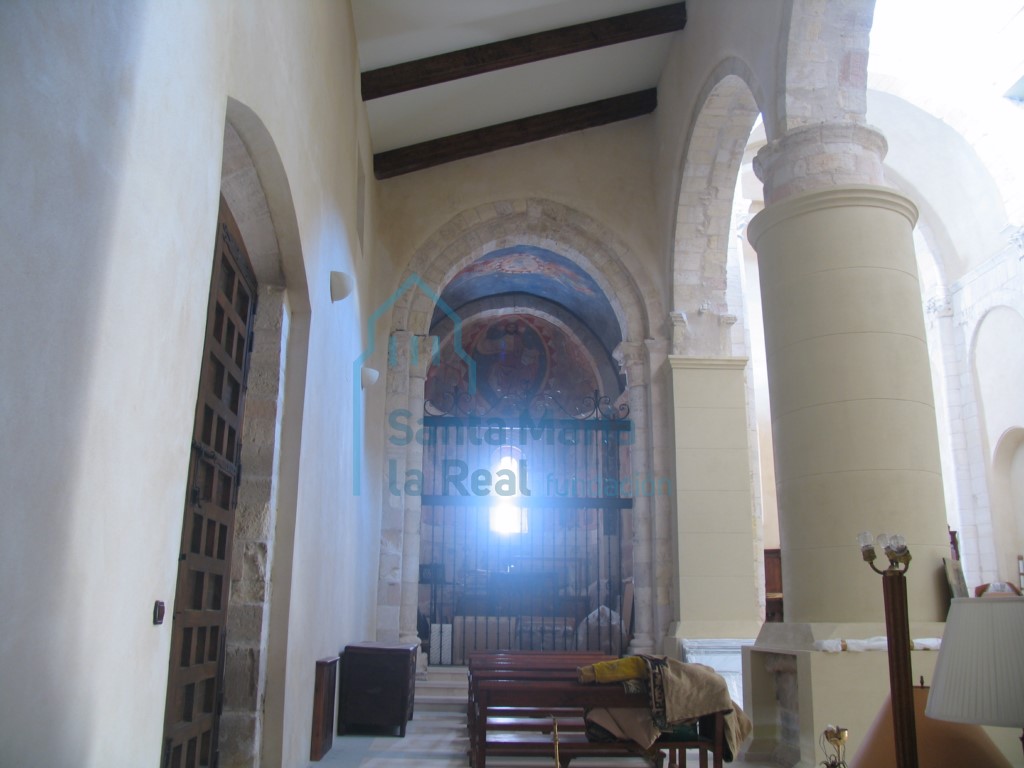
point(544, 699)
point(513, 701)
point(526, 666)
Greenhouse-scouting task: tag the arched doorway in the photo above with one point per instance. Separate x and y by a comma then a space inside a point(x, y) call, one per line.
point(195, 679)
point(526, 516)
point(256, 194)
point(532, 228)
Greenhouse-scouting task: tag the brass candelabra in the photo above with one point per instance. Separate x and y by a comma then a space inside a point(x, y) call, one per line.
point(897, 627)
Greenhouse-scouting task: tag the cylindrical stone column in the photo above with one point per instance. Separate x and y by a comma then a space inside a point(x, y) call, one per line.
point(853, 417)
point(632, 357)
point(418, 366)
point(393, 516)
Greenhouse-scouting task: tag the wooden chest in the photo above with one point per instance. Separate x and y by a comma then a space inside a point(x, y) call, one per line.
point(378, 682)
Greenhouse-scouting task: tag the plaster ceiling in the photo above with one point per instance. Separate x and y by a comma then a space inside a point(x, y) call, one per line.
point(393, 32)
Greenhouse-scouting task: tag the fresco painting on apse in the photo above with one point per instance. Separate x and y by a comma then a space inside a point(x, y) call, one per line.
point(518, 358)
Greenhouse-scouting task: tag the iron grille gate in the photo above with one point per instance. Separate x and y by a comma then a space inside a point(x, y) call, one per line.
point(525, 533)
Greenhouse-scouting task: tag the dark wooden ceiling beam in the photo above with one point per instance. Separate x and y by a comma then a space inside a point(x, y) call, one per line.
point(416, 157)
point(442, 68)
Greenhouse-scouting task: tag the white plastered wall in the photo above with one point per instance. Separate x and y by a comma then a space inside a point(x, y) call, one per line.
point(615, 191)
point(113, 122)
point(999, 372)
point(975, 249)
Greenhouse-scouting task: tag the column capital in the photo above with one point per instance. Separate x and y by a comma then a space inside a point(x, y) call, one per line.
point(820, 156)
point(706, 332)
point(850, 196)
point(658, 351)
point(630, 353)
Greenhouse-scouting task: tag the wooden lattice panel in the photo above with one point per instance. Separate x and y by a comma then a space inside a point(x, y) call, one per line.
point(195, 677)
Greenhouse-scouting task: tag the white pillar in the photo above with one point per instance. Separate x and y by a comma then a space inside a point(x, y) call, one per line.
point(853, 427)
point(853, 417)
point(716, 580)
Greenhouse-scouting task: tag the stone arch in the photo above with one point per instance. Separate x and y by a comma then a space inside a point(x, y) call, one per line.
point(263, 195)
point(1008, 499)
point(978, 550)
point(817, 132)
point(576, 236)
point(711, 165)
point(256, 190)
point(726, 112)
point(539, 222)
point(826, 65)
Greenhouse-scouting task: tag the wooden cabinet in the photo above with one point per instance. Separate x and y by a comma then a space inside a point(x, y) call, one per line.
point(378, 682)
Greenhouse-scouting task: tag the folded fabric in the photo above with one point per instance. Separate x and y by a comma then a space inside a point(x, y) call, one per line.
point(836, 645)
point(682, 692)
point(633, 724)
point(614, 671)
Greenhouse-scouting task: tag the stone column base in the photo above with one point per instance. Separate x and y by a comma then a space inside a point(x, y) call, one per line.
point(793, 691)
point(722, 654)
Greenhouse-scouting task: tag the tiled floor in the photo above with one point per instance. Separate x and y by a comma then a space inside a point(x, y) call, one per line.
point(437, 739)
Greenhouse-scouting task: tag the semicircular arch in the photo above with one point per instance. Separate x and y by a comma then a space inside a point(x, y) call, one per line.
point(711, 164)
point(256, 188)
point(531, 222)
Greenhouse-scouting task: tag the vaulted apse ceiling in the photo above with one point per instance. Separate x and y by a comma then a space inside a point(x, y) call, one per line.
point(533, 271)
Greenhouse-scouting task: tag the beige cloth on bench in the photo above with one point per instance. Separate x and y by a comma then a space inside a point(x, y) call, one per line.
point(689, 691)
point(684, 692)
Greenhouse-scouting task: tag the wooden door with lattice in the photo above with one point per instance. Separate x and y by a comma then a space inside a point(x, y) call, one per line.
point(196, 668)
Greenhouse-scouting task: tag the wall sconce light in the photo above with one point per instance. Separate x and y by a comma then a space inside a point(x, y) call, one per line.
point(897, 628)
point(368, 377)
point(341, 285)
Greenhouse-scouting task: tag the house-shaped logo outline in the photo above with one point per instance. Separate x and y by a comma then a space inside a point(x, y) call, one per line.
point(413, 281)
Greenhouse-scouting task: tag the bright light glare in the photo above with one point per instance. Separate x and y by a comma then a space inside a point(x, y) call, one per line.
point(911, 39)
point(507, 517)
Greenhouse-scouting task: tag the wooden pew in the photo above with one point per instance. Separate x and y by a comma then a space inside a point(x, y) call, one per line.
point(525, 666)
point(528, 665)
point(544, 698)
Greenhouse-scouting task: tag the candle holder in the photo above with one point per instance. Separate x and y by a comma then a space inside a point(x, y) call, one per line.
point(834, 737)
point(897, 628)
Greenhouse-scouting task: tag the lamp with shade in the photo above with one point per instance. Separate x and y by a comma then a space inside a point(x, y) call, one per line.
point(979, 673)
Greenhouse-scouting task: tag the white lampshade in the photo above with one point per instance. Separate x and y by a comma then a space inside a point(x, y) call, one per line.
point(979, 674)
